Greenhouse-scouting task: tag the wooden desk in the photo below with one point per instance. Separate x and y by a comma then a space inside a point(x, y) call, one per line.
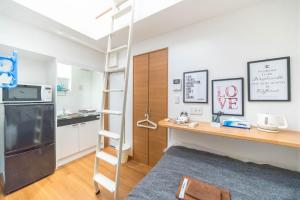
point(283, 138)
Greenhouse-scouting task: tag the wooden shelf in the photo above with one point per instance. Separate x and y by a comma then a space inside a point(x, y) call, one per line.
point(283, 138)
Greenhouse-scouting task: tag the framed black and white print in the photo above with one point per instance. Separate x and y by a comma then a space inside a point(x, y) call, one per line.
point(269, 80)
point(228, 96)
point(195, 86)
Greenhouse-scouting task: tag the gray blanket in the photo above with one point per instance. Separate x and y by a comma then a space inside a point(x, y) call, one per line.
point(245, 181)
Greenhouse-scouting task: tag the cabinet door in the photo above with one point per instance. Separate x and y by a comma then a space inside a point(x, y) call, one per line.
point(158, 103)
point(88, 134)
point(140, 107)
point(66, 141)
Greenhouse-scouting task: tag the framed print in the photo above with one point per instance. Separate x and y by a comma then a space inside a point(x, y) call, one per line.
point(269, 80)
point(228, 96)
point(195, 87)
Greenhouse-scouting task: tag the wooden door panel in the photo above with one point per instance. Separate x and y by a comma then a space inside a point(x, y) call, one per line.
point(140, 107)
point(158, 102)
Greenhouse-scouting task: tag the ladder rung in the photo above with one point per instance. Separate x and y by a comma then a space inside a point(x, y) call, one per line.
point(105, 182)
point(114, 90)
point(115, 70)
point(112, 66)
point(109, 134)
point(107, 158)
point(122, 12)
point(113, 112)
point(120, 2)
point(120, 48)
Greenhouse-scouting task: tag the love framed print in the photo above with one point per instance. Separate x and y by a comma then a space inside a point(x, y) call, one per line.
point(228, 96)
point(195, 87)
point(269, 80)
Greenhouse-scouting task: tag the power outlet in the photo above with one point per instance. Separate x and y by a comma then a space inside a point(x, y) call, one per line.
point(196, 111)
point(176, 99)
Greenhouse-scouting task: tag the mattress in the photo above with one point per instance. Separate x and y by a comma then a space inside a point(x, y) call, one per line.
point(245, 181)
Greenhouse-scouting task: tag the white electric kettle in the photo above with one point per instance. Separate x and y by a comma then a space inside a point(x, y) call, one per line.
point(270, 122)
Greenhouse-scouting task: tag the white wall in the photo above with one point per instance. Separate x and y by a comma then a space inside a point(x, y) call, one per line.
point(85, 91)
point(224, 45)
point(97, 84)
point(298, 64)
point(33, 71)
point(25, 36)
point(298, 72)
point(32, 68)
point(116, 82)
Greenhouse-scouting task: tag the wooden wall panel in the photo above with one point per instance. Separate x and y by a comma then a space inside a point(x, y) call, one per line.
point(140, 107)
point(158, 102)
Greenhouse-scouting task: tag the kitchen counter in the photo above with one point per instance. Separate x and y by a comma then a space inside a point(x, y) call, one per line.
point(76, 120)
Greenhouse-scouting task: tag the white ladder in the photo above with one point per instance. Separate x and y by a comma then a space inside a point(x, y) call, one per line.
point(120, 8)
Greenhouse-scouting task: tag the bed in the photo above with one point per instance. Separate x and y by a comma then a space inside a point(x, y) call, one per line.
point(244, 180)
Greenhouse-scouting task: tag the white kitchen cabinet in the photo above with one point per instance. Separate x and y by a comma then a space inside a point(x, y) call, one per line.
point(66, 141)
point(88, 134)
point(75, 141)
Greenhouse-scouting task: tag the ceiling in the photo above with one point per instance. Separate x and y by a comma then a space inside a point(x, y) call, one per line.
point(181, 14)
point(79, 15)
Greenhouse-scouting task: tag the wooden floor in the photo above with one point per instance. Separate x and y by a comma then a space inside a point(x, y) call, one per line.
point(74, 181)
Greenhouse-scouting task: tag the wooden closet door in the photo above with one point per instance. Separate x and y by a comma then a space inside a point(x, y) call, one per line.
point(158, 102)
point(140, 107)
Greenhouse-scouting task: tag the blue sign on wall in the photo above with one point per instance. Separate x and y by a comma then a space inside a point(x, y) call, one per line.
point(8, 71)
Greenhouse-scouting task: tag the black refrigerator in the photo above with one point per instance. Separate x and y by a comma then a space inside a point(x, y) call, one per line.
point(27, 143)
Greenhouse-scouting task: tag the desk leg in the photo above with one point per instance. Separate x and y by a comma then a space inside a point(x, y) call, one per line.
point(298, 161)
point(170, 139)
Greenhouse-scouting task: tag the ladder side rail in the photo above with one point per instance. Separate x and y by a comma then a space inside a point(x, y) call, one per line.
point(104, 97)
point(127, 70)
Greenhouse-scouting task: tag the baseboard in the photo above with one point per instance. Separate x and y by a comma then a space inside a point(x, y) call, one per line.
point(73, 157)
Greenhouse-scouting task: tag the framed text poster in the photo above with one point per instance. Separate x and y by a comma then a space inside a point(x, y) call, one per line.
point(228, 96)
point(195, 87)
point(269, 80)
